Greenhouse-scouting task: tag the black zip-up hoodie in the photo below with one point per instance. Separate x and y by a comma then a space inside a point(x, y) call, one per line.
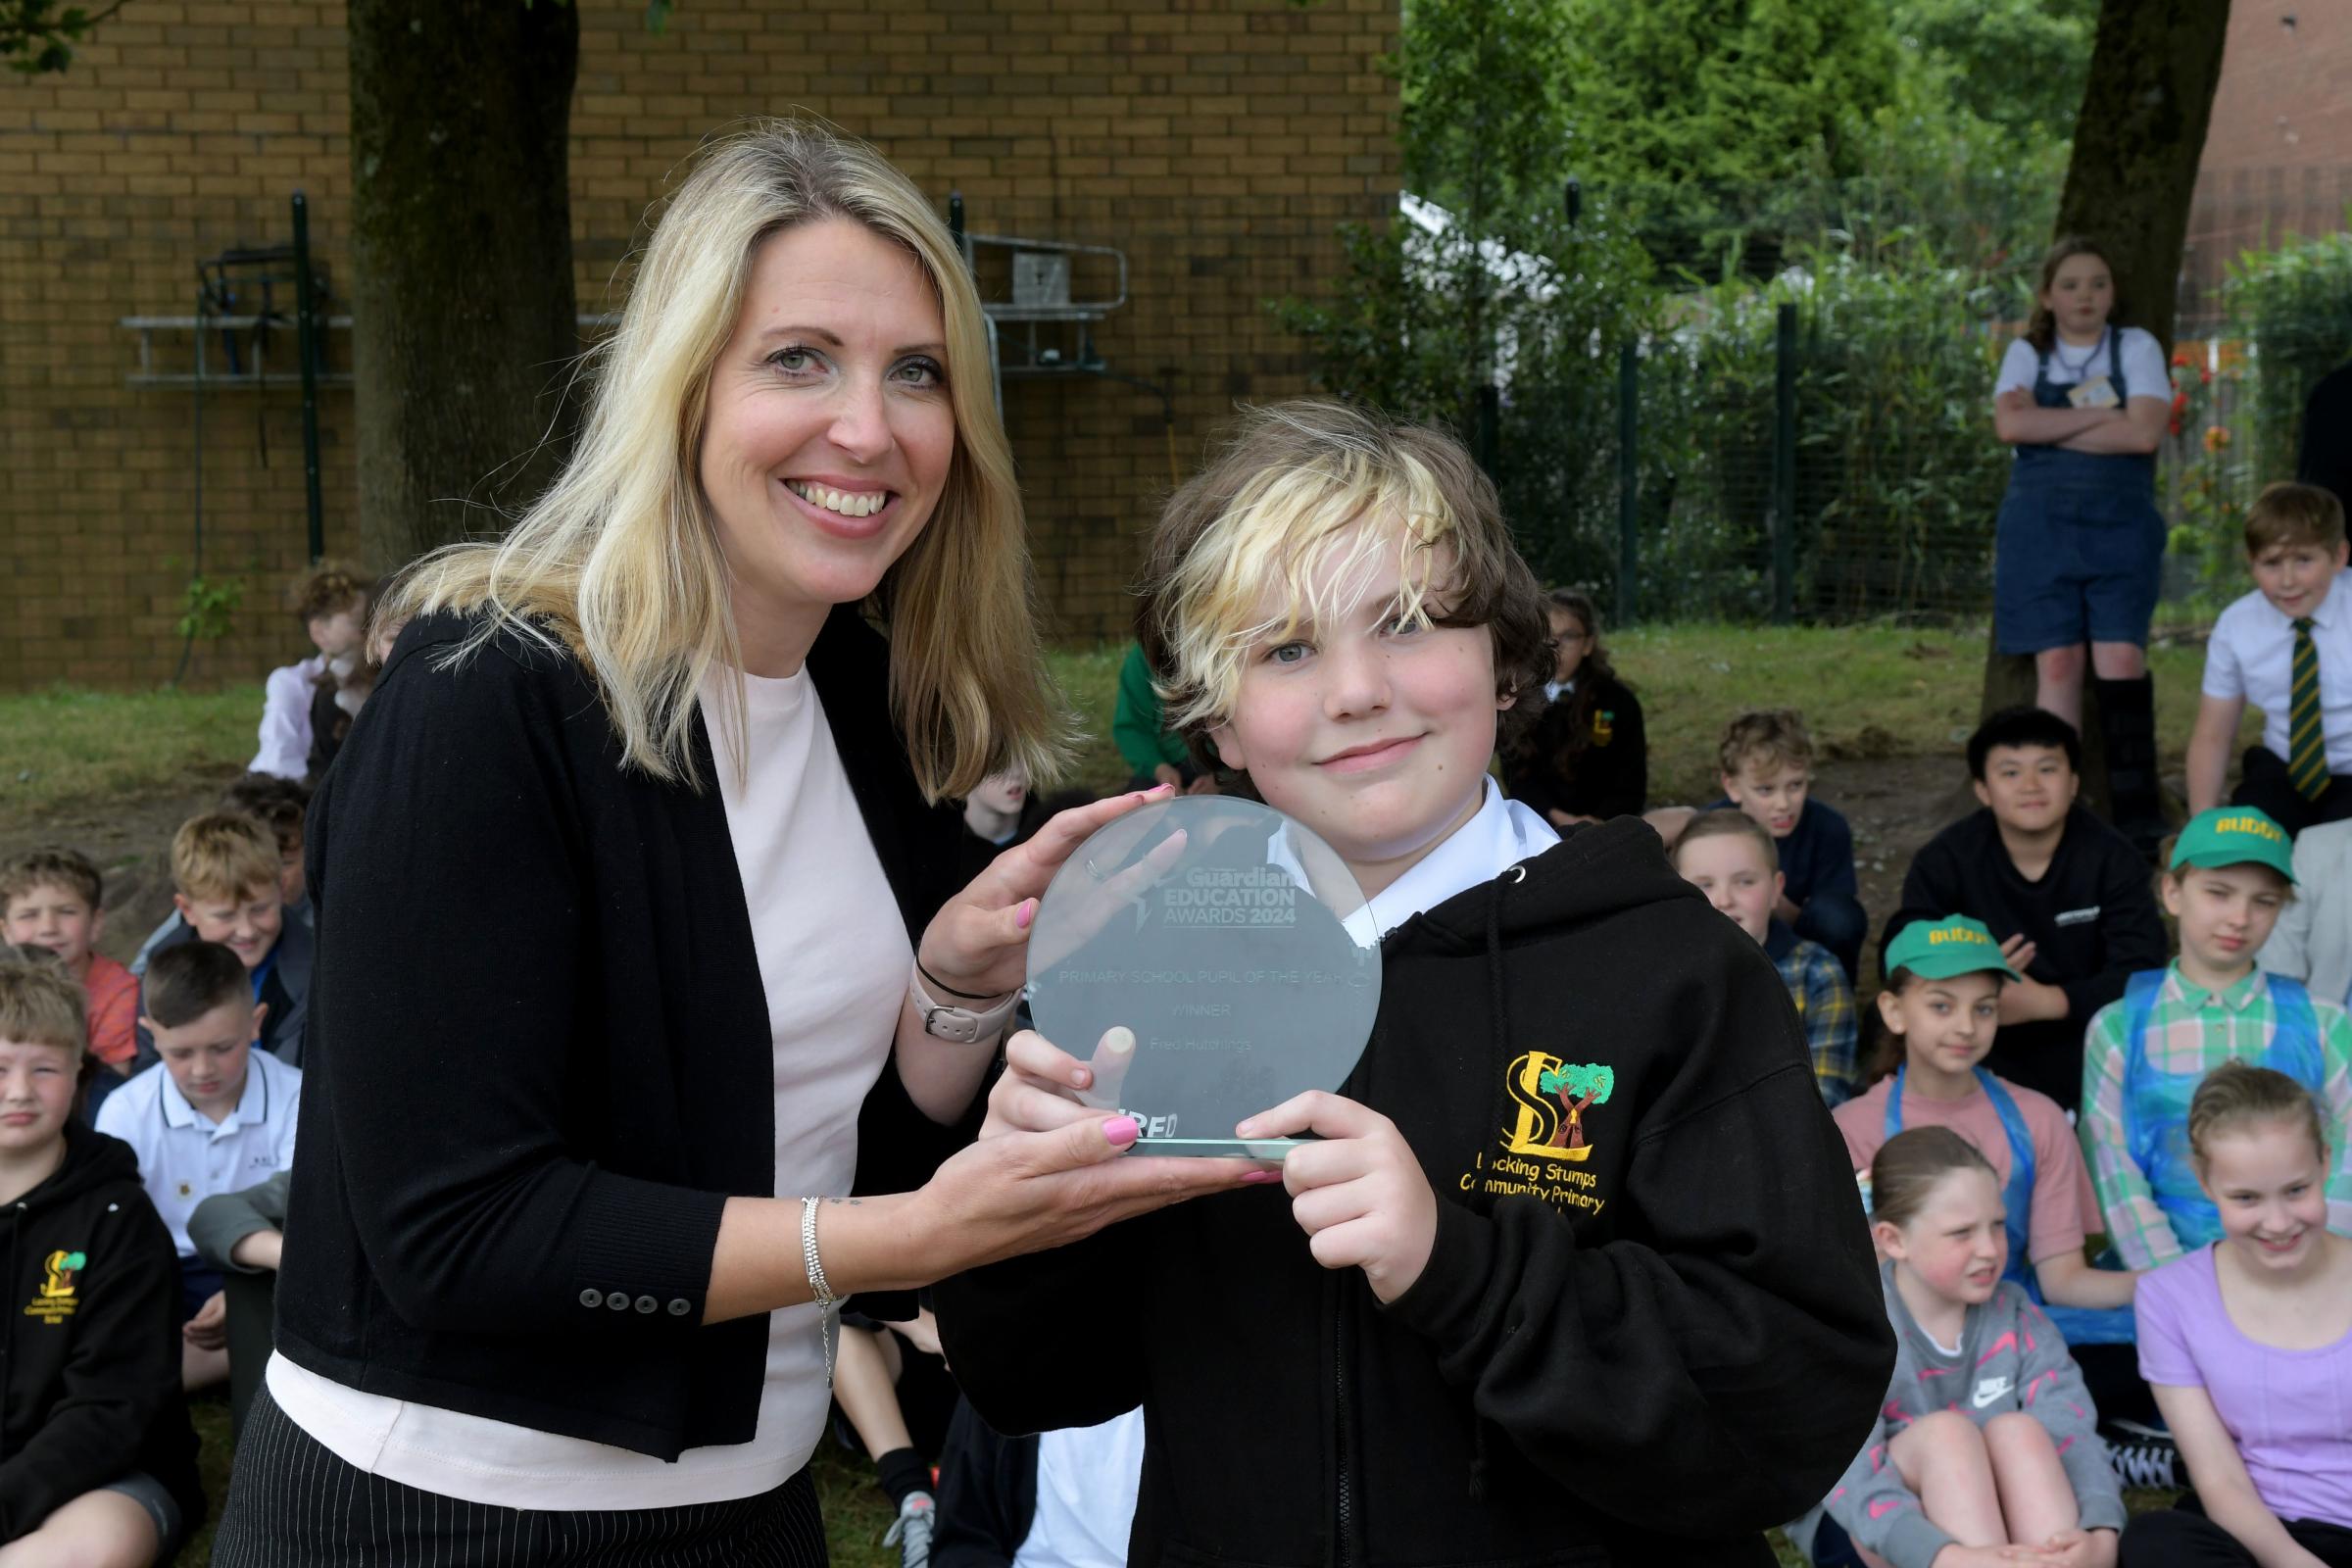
point(1640, 1338)
point(89, 1346)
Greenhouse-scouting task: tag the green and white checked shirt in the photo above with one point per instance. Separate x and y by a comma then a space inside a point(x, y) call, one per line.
point(2192, 1030)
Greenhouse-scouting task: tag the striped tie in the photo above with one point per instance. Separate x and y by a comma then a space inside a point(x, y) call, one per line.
point(2306, 740)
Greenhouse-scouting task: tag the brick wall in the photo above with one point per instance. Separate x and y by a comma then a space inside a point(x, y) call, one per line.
point(2278, 154)
point(1220, 143)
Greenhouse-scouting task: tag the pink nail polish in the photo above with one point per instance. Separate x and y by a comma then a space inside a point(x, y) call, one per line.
point(1120, 1131)
point(1028, 912)
point(1260, 1177)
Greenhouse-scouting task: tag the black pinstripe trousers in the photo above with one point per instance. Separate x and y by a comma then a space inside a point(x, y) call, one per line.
point(293, 1504)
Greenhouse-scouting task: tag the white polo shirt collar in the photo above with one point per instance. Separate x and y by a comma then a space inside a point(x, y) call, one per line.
point(1498, 837)
point(251, 1109)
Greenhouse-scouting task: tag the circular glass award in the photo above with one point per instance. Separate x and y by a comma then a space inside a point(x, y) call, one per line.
point(1209, 957)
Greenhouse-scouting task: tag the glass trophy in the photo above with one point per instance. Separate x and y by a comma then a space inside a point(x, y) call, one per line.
point(1210, 958)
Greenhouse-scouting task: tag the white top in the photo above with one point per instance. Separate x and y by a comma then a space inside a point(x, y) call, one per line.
point(1502, 834)
point(286, 719)
point(1087, 1479)
point(183, 1158)
point(2144, 370)
point(2312, 939)
point(833, 961)
point(2252, 654)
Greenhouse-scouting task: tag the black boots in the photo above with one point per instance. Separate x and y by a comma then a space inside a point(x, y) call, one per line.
point(2135, 791)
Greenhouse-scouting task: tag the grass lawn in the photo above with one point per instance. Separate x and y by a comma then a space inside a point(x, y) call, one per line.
point(1883, 691)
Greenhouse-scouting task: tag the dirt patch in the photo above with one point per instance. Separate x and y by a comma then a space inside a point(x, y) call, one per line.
point(131, 842)
point(1896, 805)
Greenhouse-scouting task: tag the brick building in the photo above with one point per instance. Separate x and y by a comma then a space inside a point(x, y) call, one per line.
point(2278, 153)
point(1218, 143)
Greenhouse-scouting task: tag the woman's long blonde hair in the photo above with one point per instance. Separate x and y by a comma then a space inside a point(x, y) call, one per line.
point(620, 560)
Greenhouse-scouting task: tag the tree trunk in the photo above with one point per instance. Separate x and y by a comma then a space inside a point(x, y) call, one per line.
point(463, 324)
point(2139, 139)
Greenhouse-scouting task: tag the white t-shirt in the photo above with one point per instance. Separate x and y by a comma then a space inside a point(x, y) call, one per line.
point(1087, 1479)
point(286, 719)
point(2145, 371)
point(183, 1158)
point(2251, 654)
point(833, 962)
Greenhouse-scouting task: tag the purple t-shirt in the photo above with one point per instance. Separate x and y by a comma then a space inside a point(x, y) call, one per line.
point(2291, 1411)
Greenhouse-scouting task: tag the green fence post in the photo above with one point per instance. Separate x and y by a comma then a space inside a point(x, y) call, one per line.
point(1629, 484)
point(1784, 471)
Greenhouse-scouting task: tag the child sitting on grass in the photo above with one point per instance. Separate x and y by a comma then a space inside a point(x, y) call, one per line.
point(1481, 1317)
point(1988, 1440)
point(1728, 856)
point(1941, 1012)
point(230, 888)
point(2066, 896)
point(1586, 759)
point(97, 1460)
point(214, 1115)
point(52, 898)
point(2249, 1344)
point(2228, 873)
point(1766, 757)
point(330, 602)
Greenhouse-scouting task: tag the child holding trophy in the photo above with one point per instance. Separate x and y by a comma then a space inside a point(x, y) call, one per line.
point(1566, 1270)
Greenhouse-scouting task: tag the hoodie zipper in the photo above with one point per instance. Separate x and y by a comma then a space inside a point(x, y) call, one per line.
point(1342, 1415)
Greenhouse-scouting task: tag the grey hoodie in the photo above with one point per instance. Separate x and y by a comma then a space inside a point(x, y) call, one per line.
point(2011, 1357)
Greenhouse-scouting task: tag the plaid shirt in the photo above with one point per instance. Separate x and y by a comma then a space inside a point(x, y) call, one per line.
point(2192, 1030)
point(1824, 1004)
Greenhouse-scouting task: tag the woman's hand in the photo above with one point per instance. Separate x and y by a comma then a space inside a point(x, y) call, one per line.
point(978, 941)
point(1027, 1192)
point(1359, 1193)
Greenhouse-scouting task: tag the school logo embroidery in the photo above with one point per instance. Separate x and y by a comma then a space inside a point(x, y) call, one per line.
point(1604, 727)
point(1552, 1095)
point(1544, 1147)
point(54, 1301)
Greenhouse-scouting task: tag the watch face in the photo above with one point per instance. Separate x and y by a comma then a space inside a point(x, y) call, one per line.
point(1211, 957)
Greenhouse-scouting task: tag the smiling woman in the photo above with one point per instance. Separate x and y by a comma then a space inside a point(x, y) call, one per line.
point(574, 1209)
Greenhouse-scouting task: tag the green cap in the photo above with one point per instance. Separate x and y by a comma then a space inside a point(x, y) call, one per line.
point(1938, 950)
point(2236, 835)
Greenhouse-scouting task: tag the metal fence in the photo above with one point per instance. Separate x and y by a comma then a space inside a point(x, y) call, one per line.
point(1817, 443)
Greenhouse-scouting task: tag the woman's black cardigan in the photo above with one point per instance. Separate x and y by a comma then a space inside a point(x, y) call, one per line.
point(540, 1057)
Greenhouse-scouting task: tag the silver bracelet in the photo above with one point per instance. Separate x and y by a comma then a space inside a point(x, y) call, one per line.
point(818, 1291)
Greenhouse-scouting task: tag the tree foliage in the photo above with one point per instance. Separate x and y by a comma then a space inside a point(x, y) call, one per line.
point(1589, 1083)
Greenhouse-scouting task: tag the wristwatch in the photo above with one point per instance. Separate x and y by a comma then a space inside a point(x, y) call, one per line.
point(963, 1025)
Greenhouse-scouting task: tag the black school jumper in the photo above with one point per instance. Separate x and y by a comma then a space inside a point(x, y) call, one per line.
point(540, 1057)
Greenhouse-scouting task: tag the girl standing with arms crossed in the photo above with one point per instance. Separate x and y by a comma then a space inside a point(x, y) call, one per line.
point(2083, 401)
point(2248, 1344)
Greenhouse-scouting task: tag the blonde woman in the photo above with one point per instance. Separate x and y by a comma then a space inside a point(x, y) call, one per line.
point(636, 953)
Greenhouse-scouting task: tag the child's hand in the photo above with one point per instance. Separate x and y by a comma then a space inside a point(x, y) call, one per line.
point(2018, 953)
point(978, 942)
point(2077, 1549)
point(1038, 1091)
point(207, 1329)
point(1359, 1195)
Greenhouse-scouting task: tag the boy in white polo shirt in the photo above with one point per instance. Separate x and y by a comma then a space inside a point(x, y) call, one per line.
point(2286, 648)
point(214, 1115)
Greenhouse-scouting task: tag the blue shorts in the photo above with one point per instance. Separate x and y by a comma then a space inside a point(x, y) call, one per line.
point(1833, 1547)
point(199, 1282)
point(2073, 564)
